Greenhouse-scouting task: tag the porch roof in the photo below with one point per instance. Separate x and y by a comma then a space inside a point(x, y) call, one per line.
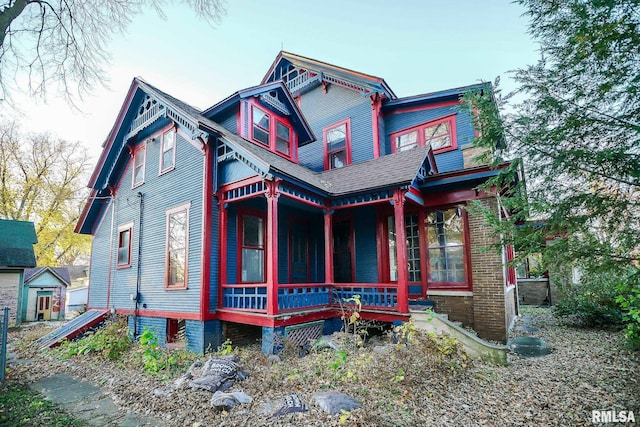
point(16, 246)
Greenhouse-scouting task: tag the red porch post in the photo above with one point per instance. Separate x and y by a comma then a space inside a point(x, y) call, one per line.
point(222, 232)
point(401, 248)
point(328, 246)
point(272, 248)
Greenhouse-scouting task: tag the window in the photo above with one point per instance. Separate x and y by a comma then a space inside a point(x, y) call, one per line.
point(413, 247)
point(177, 247)
point(337, 143)
point(139, 158)
point(252, 255)
point(168, 155)
point(440, 134)
point(445, 236)
point(124, 245)
point(263, 126)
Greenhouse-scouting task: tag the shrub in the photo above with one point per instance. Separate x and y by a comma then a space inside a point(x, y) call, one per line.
point(592, 301)
point(110, 341)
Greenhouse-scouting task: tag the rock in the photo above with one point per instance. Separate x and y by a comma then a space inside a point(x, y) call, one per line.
point(334, 402)
point(273, 359)
point(382, 349)
point(325, 342)
point(290, 404)
point(218, 373)
point(225, 401)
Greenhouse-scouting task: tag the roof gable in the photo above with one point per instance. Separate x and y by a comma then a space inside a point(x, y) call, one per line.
point(16, 245)
point(61, 274)
point(274, 96)
point(301, 73)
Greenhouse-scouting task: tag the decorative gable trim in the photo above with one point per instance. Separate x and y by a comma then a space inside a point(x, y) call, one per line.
point(227, 151)
point(275, 103)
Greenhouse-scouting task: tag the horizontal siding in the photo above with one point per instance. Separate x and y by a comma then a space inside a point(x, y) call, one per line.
point(101, 255)
point(228, 120)
point(46, 280)
point(233, 170)
point(448, 161)
point(324, 109)
point(181, 185)
point(157, 325)
point(203, 336)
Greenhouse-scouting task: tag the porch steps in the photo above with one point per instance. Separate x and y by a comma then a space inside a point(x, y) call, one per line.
point(474, 346)
point(73, 328)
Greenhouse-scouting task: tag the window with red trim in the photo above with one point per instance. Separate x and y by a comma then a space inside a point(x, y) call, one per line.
point(447, 251)
point(510, 256)
point(337, 145)
point(168, 155)
point(139, 160)
point(252, 248)
point(177, 247)
point(440, 134)
point(271, 131)
point(124, 245)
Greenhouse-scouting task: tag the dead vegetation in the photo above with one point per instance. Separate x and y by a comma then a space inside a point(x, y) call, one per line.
point(425, 381)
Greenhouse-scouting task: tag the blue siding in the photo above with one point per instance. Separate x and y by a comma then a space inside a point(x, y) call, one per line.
point(322, 110)
point(366, 267)
point(214, 273)
point(229, 120)
point(160, 192)
point(232, 245)
point(100, 258)
point(46, 280)
point(448, 161)
point(203, 336)
point(234, 170)
point(315, 224)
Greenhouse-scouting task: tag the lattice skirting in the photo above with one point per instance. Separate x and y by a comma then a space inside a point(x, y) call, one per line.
point(304, 333)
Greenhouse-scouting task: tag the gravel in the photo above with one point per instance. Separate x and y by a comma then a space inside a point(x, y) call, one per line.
point(427, 382)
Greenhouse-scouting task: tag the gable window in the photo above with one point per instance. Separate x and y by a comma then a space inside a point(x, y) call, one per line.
point(261, 122)
point(139, 160)
point(124, 245)
point(440, 134)
point(269, 130)
point(177, 247)
point(337, 145)
point(447, 248)
point(252, 249)
point(168, 155)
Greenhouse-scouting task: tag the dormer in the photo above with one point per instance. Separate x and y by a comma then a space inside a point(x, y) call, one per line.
point(266, 115)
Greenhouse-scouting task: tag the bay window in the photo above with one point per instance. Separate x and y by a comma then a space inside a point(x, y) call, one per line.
point(447, 248)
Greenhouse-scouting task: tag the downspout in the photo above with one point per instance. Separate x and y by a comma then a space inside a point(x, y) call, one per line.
point(139, 267)
point(111, 255)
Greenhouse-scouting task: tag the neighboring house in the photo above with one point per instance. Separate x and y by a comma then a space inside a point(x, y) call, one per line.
point(45, 289)
point(16, 254)
point(77, 299)
point(256, 216)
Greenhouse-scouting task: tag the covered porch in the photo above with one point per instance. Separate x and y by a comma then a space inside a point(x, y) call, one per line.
point(289, 255)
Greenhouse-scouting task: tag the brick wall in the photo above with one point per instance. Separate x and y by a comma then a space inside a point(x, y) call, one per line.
point(469, 153)
point(488, 281)
point(9, 293)
point(459, 309)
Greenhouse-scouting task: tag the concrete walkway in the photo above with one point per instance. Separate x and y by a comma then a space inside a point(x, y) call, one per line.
point(88, 402)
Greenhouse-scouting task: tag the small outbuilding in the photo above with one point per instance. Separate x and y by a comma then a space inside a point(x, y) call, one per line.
point(45, 289)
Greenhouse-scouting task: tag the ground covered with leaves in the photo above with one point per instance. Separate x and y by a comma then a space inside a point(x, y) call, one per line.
point(427, 381)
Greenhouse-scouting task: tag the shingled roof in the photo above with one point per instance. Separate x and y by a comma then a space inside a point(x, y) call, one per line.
point(16, 245)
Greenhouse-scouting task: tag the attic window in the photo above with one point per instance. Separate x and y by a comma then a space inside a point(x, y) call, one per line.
point(260, 126)
point(337, 145)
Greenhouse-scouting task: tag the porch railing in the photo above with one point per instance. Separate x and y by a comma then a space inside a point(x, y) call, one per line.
point(245, 297)
point(296, 297)
point(376, 296)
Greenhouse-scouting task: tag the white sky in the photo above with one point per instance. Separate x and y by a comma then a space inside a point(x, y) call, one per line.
point(417, 46)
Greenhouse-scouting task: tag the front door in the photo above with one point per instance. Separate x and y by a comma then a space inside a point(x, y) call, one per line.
point(343, 251)
point(43, 307)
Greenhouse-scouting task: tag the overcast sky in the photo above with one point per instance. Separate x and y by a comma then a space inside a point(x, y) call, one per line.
point(417, 46)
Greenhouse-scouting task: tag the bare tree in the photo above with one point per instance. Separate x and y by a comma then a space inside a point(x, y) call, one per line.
point(42, 180)
point(61, 43)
